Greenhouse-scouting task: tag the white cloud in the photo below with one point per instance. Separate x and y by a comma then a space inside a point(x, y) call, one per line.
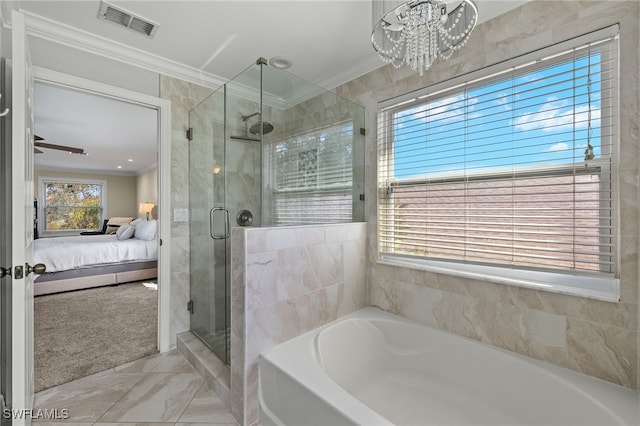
point(447, 108)
point(504, 99)
point(556, 115)
point(560, 146)
point(440, 110)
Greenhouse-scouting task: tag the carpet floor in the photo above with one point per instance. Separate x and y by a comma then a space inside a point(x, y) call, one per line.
point(82, 332)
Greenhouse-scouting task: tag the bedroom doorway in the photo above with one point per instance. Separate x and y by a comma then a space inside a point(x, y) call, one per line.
point(162, 184)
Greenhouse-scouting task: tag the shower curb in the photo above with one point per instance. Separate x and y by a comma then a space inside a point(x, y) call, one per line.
point(209, 366)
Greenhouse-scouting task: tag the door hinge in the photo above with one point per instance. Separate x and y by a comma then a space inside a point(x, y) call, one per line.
point(361, 197)
point(18, 272)
point(160, 241)
point(5, 271)
point(190, 133)
point(190, 306)
point(363, 131)
point(3, 402)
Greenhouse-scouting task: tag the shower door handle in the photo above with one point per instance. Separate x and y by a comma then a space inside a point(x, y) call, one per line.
point(227, 230)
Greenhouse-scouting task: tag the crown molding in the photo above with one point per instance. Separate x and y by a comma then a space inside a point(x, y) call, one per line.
point(94, 172)
point(150, 167)
point(251, 94)
point(6, 6)
point(50, 30)
point(367, 64)
point(57, 32)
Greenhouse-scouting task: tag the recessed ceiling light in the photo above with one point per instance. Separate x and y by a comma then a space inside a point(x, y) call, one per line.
point(280, 62)
point(130, 160)
point(118, 167)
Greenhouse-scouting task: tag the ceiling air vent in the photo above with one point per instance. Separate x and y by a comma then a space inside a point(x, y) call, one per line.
point(127, 19)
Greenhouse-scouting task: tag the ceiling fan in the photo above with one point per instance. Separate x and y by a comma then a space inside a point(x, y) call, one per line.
point(39, 144)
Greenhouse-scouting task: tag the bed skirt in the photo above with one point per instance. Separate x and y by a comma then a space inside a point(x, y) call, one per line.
point(97, 276)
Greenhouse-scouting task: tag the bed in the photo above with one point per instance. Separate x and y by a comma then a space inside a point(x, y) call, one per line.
point(85, 261)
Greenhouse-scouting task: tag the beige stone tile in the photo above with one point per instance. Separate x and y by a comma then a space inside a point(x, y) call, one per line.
point(327, 263)
point(512, 34)
point(345, 232)
point(158, 397)
point(261, 279)
point(88, 398)
point(142, 365)
point(292, 274)
point(536, 334)
point(205, 424)
point(629, 270)
point(270, 239)
point(603, 351)
point(638, 359)
point(131, 424)
point(206, 407)
point(343, 299)
point(57, 423)
point(173, 362)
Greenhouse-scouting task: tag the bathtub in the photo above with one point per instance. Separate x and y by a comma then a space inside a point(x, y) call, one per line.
point(375, 368)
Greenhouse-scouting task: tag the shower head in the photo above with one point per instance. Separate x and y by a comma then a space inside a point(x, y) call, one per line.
point(248, 116)
point(261, 127)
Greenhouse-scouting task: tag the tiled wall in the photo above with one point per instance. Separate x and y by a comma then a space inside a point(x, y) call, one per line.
point(236, 185)
point(294, 279)
point(183, 96)
point(286, 281)
point(326, 110)
point(597, 338)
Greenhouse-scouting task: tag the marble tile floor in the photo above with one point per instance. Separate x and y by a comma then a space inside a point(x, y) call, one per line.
point(159, 389)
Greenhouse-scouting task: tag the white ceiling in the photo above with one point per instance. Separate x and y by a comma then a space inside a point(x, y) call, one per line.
point(118, 137)
point(328, 42)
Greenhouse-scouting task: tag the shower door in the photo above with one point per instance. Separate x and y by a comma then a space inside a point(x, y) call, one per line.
point(209, 226)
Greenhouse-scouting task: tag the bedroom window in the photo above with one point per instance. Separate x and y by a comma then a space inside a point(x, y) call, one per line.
point(71, 205)
point(507, 172)
point(311, 177)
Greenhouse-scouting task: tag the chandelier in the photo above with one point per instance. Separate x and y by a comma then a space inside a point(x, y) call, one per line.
point(418, 32)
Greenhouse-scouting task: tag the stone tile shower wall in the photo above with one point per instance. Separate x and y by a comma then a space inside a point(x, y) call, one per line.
point(306, 117)
point(242, 161)
point(285, 282)
point(183, 96)
point(326, 110)
point(243, 157)
point(593, 337)
point(205, 121)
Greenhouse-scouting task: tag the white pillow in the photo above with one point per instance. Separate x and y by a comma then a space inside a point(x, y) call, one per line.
point(136, 221)
point(146, 230)
point(125, 232)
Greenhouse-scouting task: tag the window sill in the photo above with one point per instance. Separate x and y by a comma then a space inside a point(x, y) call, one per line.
point(591, 287)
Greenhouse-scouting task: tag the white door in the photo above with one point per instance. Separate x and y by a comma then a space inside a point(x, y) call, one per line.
point(22, 89)
point(5, 239)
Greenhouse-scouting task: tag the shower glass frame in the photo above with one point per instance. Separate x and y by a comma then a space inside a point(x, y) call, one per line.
point(306, 168)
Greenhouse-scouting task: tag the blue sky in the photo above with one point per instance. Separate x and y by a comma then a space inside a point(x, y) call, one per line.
point(491, 127)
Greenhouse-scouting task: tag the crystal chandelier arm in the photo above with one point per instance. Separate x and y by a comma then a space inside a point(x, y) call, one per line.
point(414, 32)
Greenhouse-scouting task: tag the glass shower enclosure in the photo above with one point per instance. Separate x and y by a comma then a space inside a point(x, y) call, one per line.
point(266, 149)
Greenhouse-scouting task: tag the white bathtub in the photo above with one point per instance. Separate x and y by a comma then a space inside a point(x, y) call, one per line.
point(374, 368)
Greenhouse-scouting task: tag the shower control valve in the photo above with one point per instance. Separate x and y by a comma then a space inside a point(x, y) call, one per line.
point(244, 218)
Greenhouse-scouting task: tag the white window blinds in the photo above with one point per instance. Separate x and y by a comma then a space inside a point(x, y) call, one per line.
point(517, 169)
point(311, 177)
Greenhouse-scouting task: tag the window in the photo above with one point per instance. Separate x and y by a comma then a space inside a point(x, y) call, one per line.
point(312, 177)
point(513, 170)
point(70, 205)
